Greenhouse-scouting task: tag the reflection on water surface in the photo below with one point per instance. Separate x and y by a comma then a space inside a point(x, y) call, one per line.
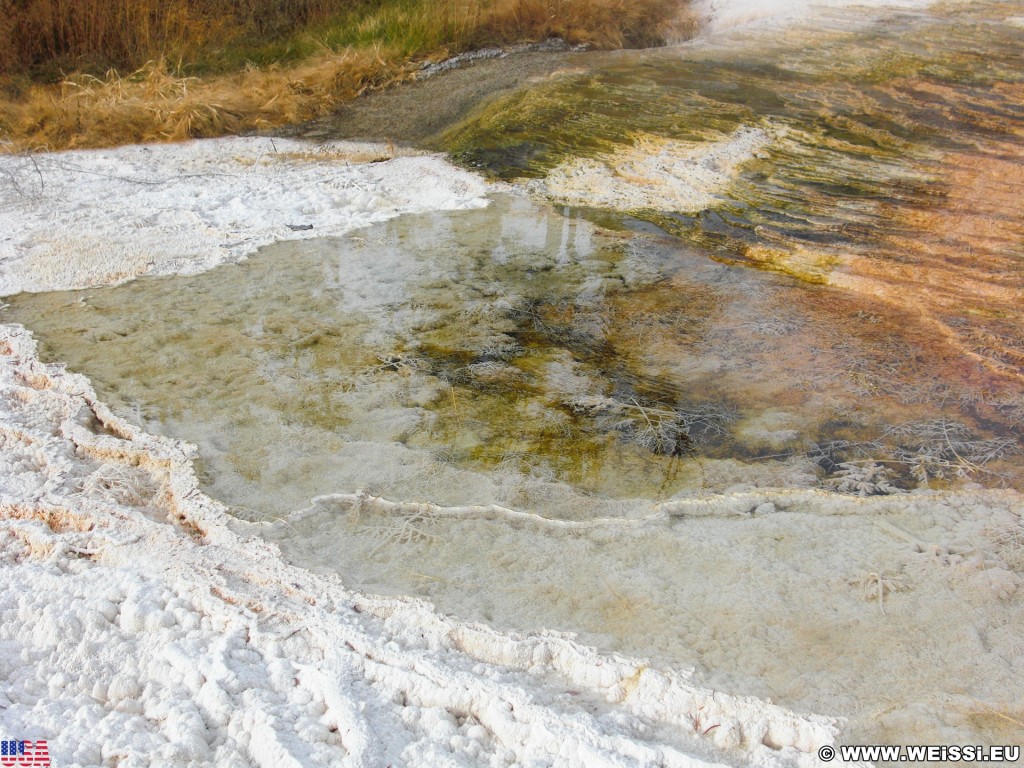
point(834, 303)
point(521, 356)
point(895, 159)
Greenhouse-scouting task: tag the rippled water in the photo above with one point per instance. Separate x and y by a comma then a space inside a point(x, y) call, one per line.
point(893, 171)
point(834, 303)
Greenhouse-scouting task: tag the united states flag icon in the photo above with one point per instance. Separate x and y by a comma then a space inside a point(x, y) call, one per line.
point(30, 754)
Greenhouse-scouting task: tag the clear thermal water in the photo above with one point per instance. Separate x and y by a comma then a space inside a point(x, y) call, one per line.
point(844, 315)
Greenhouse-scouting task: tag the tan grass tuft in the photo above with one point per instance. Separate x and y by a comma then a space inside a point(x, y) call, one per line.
point(154, 103)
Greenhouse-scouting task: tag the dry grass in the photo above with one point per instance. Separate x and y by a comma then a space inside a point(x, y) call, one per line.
point(154, 105)
point(36, 34)
point(323, 61)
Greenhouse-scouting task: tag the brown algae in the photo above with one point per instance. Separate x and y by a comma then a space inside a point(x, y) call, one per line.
point(895, 150)
point(582, 365)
